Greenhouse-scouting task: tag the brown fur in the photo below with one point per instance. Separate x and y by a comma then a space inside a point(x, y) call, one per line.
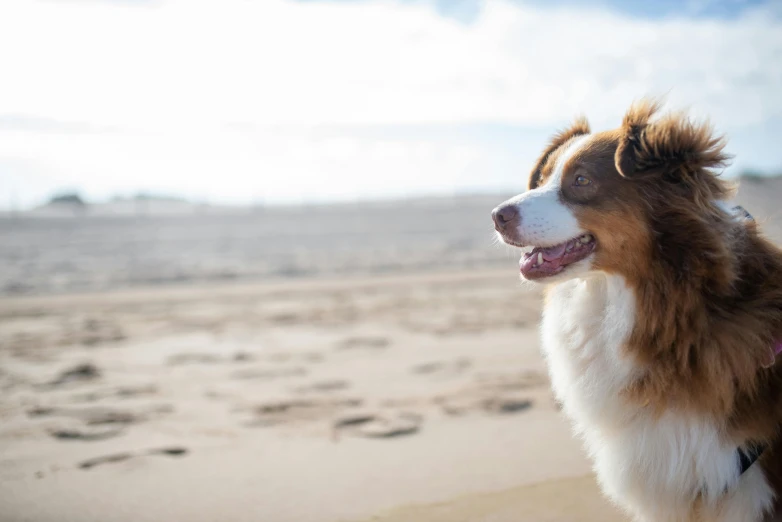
point(538, 175)
point(708, 287)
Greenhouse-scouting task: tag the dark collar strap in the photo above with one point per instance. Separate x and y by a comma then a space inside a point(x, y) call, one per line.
point(749, 455)
point(740, 211)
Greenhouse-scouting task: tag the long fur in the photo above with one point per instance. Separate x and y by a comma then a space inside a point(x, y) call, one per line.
point(662, 350)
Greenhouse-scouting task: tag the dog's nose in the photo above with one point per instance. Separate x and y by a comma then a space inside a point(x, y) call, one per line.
point(505, 217)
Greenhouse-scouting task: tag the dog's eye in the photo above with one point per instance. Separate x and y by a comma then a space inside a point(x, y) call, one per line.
point(582, 181)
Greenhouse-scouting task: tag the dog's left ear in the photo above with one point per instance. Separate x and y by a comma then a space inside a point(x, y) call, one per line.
point(671, 145)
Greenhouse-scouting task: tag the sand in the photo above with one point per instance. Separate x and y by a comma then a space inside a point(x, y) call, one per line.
point(386, 398)
point(96, 250)
point(321, 364)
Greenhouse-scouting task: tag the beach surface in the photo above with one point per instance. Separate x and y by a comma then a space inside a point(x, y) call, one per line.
point(386, 398)
point(355, 363)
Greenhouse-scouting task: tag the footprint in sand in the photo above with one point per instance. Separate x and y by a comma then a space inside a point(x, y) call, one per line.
point(243, 357)
point(306, 357)
point(442, 367)
point(266, 374)
point(91, 416)
point(323, 386)
point(93, 423)
point(208, 358)
point(354, 419)
point(120, 392)
point(363, 343)
point(85, 372)
point(378, 426)
point(105, 459)
point(193, 358)
point(171, 451)
point(298, 410)
point(501, 404)
point(84, 433)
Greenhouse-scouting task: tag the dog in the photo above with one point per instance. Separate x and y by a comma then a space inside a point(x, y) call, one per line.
point(662, 320)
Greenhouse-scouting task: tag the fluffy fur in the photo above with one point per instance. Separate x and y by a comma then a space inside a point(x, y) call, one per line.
point(660, 343)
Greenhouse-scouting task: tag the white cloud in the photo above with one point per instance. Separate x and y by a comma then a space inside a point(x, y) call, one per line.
point(182, 78)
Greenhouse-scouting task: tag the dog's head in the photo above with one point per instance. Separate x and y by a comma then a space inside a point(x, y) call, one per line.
point(616, 201)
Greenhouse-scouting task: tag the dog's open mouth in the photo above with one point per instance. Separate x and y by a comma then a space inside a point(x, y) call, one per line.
point(543, 262)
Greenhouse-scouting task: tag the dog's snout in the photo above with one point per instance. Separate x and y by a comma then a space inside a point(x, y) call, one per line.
point(505, 217)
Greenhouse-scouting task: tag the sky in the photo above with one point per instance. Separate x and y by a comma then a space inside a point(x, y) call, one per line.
point(291, 101)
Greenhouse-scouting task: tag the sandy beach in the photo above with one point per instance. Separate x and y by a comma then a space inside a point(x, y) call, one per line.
point(387, 398)
point(401, 389)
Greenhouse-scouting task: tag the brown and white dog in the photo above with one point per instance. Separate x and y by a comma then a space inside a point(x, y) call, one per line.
point(663, 316)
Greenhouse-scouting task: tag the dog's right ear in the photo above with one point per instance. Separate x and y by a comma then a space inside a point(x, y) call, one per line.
point(632, 139)
point(577, 128)
point(671, 146)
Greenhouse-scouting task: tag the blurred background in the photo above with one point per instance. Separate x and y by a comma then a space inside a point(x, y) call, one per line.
point(247, 270)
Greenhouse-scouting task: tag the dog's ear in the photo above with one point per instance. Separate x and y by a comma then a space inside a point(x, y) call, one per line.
point(579, 127)
point(671, 145)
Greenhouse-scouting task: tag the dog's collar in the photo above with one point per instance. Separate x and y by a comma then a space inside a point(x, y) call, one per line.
point(748, 455)
point(741, 212)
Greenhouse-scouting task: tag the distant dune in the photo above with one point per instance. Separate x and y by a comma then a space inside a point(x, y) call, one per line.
point(128, 207)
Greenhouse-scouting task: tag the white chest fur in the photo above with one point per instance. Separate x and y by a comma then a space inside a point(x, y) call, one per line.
point(656, 467)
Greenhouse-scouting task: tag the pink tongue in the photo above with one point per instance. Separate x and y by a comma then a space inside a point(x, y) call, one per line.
point(554, 252)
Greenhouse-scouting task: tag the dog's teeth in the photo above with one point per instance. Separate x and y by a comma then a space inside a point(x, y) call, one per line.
point(569, 247)
point(540, 258)
point(586, 238)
